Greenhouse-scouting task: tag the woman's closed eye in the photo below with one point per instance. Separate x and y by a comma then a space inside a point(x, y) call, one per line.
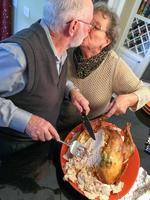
point(98, 28)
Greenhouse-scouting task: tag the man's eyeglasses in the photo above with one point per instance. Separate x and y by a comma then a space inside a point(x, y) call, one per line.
point(89, 24)
point(92, 26)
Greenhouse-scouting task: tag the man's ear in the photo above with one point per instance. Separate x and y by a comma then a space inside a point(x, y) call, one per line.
point(73, 27)
point(107, 42)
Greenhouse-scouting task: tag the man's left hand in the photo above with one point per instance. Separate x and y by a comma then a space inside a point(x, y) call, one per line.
point(79, 101)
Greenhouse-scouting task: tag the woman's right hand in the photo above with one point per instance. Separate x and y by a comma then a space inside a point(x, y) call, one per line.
point(40, 129)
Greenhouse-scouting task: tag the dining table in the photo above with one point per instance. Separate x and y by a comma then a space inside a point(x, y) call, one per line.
point(35, 173)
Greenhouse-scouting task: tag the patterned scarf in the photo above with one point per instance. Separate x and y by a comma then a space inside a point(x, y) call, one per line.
point(85, 66)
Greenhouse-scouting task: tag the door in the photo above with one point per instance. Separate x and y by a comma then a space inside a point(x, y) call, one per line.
point(135, 44)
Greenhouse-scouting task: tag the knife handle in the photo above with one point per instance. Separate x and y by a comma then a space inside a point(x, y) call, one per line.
point(83, 113)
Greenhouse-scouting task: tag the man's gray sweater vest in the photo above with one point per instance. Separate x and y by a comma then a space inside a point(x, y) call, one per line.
point(44, 91)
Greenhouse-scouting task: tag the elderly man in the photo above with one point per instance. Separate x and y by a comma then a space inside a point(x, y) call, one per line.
point(33, 73)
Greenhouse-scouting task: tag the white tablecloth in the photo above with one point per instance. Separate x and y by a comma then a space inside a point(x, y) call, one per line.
point(141, 188)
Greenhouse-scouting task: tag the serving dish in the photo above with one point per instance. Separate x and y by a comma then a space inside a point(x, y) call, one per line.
point(146, 108)
point(128, 177)
point(148, 104)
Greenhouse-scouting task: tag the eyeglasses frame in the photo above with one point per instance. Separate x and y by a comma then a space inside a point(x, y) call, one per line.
point(92, 26)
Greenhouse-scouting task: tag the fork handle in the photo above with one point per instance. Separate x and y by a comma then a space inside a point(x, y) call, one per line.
point(63, 142)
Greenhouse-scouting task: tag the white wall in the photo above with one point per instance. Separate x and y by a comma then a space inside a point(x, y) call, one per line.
point(31, 8)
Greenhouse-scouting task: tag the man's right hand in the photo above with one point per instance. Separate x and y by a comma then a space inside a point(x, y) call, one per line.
point(40, 129)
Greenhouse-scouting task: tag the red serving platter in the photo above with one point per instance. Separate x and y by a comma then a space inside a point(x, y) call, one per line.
point(128, 177)
point(148, 104)
point(146, 109)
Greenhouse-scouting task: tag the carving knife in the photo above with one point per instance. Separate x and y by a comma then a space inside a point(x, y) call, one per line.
point(87, 125)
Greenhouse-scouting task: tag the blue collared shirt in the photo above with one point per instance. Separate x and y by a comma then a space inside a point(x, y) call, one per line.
point(13, 79)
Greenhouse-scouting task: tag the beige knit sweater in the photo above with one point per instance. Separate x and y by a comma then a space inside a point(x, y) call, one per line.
point(113, 76)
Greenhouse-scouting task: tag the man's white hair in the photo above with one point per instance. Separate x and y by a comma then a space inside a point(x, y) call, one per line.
point(57, 13)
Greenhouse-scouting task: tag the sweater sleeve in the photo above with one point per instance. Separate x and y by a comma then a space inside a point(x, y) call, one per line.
point(125, 82)
point(143, 94)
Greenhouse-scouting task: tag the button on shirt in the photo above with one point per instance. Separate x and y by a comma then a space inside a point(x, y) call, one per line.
point(13, 79)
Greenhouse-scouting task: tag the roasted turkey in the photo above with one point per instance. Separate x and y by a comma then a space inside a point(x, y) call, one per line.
point(110, 152)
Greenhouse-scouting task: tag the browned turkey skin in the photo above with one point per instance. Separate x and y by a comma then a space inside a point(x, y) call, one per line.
point(115, 152)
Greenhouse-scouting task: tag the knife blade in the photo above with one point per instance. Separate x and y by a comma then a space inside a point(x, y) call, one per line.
point(87, 125)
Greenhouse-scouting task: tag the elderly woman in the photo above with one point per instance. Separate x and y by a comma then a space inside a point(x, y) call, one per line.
point(99, 73)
